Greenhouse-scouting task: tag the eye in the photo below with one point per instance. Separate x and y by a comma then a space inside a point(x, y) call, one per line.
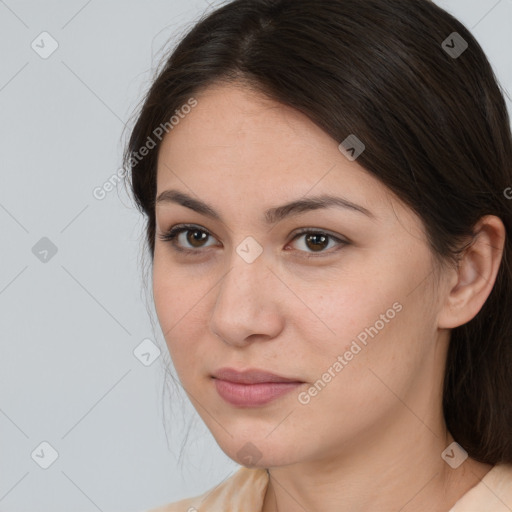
point(193, 235)
point(315, 241)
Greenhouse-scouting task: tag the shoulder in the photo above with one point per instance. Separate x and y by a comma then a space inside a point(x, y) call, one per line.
point(246, 488)
point(492, 494)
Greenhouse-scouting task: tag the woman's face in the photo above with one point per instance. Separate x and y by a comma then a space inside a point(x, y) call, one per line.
point(354, 324)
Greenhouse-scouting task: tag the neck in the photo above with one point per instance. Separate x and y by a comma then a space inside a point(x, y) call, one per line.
point(377, 474)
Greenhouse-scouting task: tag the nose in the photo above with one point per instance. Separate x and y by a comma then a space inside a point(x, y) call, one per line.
point(249, 304)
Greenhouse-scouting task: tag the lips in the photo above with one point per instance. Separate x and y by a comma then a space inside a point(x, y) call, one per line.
point(251, 388)
point(250, 376)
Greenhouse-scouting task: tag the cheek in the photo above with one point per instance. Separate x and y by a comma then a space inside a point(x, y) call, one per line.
point(336, 314)
point(173, 292)
point(386, 352)
point(356, 383)
point(166, 305)
point(373, 322)
point(170, 299)
point(180, 313)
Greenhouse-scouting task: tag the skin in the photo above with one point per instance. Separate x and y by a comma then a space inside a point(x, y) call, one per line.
point(372, 438)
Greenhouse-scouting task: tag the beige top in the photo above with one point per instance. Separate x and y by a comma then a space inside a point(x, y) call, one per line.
point(245, 490)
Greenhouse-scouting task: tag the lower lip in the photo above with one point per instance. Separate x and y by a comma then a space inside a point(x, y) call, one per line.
point(253, 395)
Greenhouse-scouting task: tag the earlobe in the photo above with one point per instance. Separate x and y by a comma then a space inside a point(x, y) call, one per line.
point(475, 275)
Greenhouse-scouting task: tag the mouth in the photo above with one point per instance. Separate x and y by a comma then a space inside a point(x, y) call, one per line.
point(252, 388)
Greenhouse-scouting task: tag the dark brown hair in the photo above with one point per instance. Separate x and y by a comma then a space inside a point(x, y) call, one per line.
point(436, 130)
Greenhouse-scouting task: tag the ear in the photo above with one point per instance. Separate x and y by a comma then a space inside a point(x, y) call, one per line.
point(472, 282)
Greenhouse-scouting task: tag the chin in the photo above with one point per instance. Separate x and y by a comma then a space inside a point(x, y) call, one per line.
point(258, 452)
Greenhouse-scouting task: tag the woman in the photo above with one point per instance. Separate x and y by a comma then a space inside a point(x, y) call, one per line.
point(325, 188)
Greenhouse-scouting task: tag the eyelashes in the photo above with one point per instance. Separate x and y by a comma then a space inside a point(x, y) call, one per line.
point(316, 235)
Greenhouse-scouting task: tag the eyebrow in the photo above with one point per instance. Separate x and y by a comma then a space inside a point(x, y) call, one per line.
point(272, 215)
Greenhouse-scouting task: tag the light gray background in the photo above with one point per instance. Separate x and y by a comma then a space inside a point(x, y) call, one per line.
point(70, 325)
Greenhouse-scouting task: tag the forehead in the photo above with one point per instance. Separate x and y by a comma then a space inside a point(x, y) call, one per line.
point(240, 143)
point(235, 129)
point(232, 115)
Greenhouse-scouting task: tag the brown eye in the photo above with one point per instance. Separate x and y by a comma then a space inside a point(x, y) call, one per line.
point(196, 237)
point(192, 241)
point(316, 242)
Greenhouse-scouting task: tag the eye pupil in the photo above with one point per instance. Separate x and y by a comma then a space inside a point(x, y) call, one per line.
point(192, 238)
point(315, 239)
